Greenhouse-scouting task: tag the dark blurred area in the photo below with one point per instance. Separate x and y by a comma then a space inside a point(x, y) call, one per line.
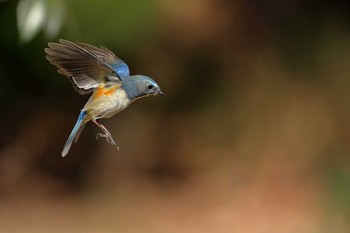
point(253, 135)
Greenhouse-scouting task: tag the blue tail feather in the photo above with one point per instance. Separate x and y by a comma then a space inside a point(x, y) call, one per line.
point(79, 125)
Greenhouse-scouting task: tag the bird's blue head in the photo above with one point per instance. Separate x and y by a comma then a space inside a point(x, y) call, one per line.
point(138, 86)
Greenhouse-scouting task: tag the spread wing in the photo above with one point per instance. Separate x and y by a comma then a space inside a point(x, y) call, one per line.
point(85, 65)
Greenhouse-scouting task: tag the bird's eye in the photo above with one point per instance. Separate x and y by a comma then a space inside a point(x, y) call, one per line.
point(149, 86)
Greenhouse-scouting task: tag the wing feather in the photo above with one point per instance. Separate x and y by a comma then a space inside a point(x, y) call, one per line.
point(85, 65)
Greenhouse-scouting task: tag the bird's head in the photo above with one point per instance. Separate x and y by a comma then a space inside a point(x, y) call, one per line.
point(139, 86)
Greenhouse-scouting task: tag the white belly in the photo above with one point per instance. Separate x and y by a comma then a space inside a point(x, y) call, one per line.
point(106, 106)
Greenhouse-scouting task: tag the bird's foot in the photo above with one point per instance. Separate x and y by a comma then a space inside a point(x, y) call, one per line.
point(109, 139)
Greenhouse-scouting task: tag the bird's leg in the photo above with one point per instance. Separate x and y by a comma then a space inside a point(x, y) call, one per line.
point(106, 134)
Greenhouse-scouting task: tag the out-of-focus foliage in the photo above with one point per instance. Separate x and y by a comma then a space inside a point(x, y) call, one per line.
point(111, 21)
point(36, 15)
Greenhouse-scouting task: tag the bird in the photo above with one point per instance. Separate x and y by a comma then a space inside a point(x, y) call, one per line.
point(98, 72)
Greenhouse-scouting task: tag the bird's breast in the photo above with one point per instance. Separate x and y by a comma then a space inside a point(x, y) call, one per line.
point(106, 103)
point(120, 98)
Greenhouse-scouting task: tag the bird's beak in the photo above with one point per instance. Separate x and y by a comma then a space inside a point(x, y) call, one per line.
point(161, 93)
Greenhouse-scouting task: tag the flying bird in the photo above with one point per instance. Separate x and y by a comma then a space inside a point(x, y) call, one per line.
point(99, 72)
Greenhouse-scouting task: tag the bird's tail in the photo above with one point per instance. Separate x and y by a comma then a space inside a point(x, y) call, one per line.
point(76, 130)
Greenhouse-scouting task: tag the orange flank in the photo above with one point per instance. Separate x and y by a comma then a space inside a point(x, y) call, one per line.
point(101, 90)
point(111, 90)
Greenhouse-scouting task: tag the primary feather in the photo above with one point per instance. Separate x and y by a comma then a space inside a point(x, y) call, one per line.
point(87, 66)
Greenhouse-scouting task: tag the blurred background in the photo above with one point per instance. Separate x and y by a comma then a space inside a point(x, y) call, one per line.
point(253, 135)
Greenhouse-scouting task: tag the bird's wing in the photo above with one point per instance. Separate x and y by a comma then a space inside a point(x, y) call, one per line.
point(87, 66)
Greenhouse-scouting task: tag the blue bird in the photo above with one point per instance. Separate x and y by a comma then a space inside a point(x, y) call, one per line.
point(100, 72)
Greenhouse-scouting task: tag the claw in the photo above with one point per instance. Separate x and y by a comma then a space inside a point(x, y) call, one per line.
point(106, 134)
point(109, 139)
point(100, 135)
